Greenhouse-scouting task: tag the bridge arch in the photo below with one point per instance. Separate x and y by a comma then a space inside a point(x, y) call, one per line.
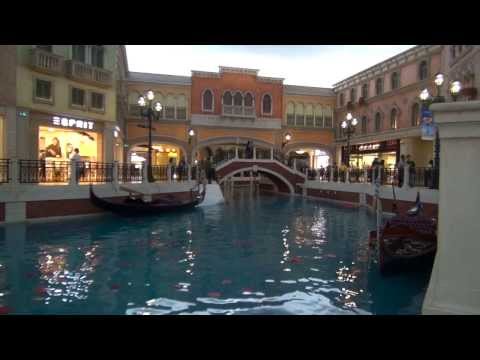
point(260, 169)
point(167, 140)
point(240, 140)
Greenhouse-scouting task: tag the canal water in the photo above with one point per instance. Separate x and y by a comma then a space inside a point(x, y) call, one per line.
point(256, 254)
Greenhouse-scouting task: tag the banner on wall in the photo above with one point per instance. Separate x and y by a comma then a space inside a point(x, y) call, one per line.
point(429, 128)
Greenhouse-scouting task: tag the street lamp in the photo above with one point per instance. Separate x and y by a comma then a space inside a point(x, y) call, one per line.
point(455, 88)
point(287, 139)
point(150, 110)
point(439, 80)
point(348, 126)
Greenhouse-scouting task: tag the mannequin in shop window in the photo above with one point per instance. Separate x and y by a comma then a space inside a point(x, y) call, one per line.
point(54, 149)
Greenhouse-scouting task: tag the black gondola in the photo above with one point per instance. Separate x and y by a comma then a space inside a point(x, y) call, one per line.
point(136, 207)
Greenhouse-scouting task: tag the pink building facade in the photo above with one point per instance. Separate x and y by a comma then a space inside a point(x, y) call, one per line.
point(385, 101)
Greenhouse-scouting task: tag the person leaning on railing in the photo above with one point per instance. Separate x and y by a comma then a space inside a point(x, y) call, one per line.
point(79, 166)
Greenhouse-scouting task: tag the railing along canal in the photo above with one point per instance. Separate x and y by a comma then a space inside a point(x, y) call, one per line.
point(4, 171)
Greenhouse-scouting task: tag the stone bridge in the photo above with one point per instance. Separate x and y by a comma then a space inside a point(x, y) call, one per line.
point(286, 179)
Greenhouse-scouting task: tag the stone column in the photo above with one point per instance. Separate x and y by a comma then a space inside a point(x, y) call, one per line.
point(145, 172)
point(271, 153)
point(73, 173)
point(115, 174)
point(294, 164)
point(236, 152)
point(455, 279)
point(406, 177)
point(108, 142)
point(14, 171)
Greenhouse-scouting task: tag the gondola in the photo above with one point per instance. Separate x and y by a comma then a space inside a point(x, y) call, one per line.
point(138, 207)
point(406, 242)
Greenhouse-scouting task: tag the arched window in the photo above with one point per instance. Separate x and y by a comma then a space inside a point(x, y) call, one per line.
point(415, 114)
point(365, 91)
point(364, 124)
point(248, 99)
point(379, 86)
point(395, 81)
point(181, 107)
point(378, 121)
point(170, 107)
point(341, 99)
point(328, 117)
point(423, 70)
point(309, 115)
point(267, 104)
point(227, 98)
point(238, 99)
point(318, 116)
point(207, 100)
point(393, 119)
point(353, 95)
point(299, 115)
point(291, 113)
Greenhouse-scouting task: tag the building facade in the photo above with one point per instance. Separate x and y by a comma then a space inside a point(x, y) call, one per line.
point(226, 110)
point(385, 101)
point(66, 98)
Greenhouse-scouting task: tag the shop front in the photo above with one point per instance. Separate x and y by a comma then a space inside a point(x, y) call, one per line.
point(362, 155)
point(57, 137)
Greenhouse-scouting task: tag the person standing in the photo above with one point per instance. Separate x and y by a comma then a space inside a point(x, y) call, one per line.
point(79, 168)
point(411, 171)
point(401, 170)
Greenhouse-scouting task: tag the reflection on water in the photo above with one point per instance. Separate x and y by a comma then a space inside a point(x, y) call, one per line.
point(254, 255)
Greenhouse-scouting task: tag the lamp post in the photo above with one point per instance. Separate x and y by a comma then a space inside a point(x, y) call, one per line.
point(286, 139)
point(348, 126)
point(455, 88)
point(149, 109)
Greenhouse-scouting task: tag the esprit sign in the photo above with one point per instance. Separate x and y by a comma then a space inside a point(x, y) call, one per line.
point(68, 122)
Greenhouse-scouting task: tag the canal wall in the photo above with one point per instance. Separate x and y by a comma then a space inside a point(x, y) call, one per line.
point(362, 194)
point(36, 202)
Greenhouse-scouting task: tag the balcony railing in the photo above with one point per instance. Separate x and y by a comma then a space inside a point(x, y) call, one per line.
point(238, 111)
point(130, 173)
point(46, 62)
point(416, 177)
point(43, 171)
point(94, 172)
point(4, 171)
point(159, 172)
point(88, 73)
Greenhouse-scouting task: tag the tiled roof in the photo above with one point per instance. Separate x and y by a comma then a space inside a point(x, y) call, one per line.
point(307, 90)
point(159, 78)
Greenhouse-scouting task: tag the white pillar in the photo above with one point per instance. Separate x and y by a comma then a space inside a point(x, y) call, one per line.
point(271, 153)
point(347, 176)
point(14, 171)
point(455, 280)
point(295, 164)
point(115, 174)
point(73, 173)
point(169, 173)
point(236, 152)
point(145, 172)
point(406, 177)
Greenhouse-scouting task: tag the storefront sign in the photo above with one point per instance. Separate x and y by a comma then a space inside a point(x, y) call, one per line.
point(369, 147)
point(384, 146)
point(428, 126)
point(75, 123)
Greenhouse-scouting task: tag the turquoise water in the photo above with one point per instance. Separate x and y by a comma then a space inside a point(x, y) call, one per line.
point(254, 255)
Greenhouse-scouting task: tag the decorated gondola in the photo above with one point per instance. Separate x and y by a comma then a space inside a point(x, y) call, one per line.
point(406, 242)
point(134, 206)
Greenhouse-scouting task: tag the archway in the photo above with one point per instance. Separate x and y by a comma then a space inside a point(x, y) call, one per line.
point(280, 181)
point(165, 150)
point(313, 155)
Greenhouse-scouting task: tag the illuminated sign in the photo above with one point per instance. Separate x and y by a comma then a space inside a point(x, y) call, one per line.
point(68, 122)
point(369, 147)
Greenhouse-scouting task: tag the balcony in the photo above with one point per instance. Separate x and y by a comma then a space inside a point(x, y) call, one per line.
point(232, 111)
point(89, 74)
point(46, 62)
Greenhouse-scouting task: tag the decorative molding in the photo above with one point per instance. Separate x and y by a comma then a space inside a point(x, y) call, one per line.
point(236, 122)
point(235, 70)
